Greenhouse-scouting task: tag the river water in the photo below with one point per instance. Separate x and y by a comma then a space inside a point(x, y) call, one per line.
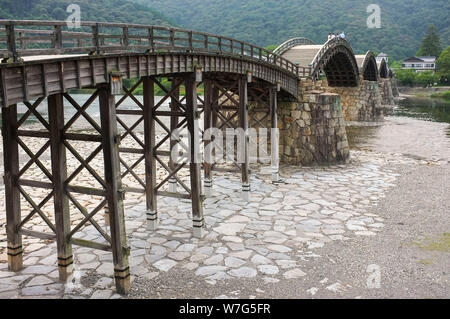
point(418, 128)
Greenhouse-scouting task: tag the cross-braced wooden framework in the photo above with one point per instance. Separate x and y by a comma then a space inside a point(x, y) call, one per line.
point(63, 186)
point(103, 155)
point(128, 147)
point(160, 153)
point(264, 116)
point(226, 109)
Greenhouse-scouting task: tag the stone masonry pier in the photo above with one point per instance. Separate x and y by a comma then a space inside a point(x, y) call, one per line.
point(312, 129)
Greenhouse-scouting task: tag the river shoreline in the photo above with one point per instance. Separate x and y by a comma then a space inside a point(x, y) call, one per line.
point(313, 237)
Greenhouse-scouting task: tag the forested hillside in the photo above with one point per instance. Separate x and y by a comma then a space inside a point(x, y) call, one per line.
point(98, 10)
point(265, 22)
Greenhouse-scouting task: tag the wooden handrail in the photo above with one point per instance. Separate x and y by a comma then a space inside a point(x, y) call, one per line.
point(54, 37)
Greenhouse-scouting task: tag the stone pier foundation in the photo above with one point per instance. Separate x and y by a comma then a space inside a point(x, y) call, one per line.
point(312, 131)
point(386, 91)
point(361, 103)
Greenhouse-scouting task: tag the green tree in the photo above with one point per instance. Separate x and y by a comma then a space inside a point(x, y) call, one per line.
point(443, 63)
point(427, 78)
point(271, 47)
point(406, 77)
point(431, 43)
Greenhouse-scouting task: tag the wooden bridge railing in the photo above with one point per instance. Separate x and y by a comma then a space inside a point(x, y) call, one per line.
point(30, 38)
point(282, 48)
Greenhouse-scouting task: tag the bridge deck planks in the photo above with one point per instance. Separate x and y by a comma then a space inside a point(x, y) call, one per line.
point(86, 72)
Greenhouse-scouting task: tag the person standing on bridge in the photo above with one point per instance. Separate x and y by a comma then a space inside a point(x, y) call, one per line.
point(342, 35)
point(333, 36)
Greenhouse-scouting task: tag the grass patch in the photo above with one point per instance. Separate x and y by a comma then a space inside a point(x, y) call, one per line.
point(441, 95)
point(426, 262)
point(442, 243)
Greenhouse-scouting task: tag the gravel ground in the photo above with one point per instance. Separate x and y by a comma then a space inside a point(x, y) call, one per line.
point(408, 244)
point(413, 259)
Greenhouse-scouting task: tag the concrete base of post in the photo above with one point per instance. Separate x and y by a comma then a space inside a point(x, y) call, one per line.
point(65, 268)
point(15, 259)
point(199, 229)
point(246, 192)
point(275, 175)
point(207, 183)
point(172, 185)
point(123, 282)
point(152, 220)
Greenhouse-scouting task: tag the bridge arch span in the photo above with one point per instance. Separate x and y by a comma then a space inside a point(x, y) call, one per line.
point(282, 48)
point(335, 58)
point(383, 69)
point(368, 66)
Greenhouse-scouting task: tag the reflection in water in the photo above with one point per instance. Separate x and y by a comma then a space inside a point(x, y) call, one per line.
point(427, 109)
point(358, 136)
point(418, 127)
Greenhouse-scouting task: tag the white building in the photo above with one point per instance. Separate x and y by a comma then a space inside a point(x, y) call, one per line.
point(382, 56)
point(420, 63)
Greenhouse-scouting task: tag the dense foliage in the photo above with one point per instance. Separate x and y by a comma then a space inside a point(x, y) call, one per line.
point(443, 63)
point(431, 44)
point(266, 22)
point(99, 10)
point(413, 78)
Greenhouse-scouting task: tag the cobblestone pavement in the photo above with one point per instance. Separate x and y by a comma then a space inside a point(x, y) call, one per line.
point(267, 239)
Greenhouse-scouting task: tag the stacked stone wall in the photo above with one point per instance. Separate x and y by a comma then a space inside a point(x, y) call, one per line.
point(312, 130)
point(361, 103)
point(387, 95)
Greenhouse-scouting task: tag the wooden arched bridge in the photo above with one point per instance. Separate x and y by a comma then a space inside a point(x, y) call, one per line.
point(42, 61)
point(335, 58)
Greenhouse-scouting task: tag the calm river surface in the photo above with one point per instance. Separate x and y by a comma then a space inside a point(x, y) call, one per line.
point(418, 127)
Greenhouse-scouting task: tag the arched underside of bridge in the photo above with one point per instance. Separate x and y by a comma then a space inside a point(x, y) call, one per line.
point(368, 66)
point(340, 70)
point(383, 69)
point(335, 58)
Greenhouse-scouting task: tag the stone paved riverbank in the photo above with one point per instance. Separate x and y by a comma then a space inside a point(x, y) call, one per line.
point(273, 239)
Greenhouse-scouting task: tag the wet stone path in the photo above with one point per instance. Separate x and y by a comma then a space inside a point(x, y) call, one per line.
point(267, 238)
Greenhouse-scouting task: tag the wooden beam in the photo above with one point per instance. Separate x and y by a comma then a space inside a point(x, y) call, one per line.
point(59, 174)
point(243, 124)
point(207, 118)
point(175, 97)
point(149, 152)
point(195, 162)
point(274, 135)
point(12, 193)
point(113, 189)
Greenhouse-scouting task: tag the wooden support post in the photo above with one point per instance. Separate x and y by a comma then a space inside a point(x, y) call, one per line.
point(173, 126)
point(106, 215)
point(243, 123)
point(274, 135)
point(214, 106)
point(114, 193)
point(194, 146)
point(12, 194)
point(207, 118)
point(59, 174)
point(149, 152)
